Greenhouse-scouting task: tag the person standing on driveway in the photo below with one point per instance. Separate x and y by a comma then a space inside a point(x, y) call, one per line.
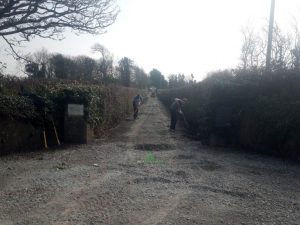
point(137, 101)
point(175, 108)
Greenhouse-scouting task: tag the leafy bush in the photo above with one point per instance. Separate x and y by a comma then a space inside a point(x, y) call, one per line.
point(17, 107)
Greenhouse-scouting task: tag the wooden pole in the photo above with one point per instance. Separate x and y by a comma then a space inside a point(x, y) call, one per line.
point(56, 136)
point(270, 35)
point(45, 138)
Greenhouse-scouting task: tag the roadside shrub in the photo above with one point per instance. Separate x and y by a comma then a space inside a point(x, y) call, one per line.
point(17, 107)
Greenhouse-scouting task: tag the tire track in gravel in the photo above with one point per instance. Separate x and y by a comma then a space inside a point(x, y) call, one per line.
point(159, 215)
point(71, 200)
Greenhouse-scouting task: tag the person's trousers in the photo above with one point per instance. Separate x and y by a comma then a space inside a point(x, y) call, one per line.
point(135, 111)
point(173, 119)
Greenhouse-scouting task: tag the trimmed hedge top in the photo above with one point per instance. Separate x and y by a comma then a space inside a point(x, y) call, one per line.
point(17, 107)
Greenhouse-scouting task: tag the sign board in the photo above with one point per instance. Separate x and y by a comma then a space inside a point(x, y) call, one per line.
point(75, 110)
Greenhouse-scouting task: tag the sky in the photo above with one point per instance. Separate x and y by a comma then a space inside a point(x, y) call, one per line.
point(175, 36)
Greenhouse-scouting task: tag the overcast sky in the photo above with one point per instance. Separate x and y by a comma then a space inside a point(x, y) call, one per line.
point(177, 36)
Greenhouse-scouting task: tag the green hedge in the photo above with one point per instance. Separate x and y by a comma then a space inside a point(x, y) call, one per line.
point(105, 106)
point(263, 110)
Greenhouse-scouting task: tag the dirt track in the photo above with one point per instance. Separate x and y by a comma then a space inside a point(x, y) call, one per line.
point(142, 174)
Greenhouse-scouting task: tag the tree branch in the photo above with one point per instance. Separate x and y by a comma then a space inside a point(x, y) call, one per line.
point(16, 55)
point(49, 18)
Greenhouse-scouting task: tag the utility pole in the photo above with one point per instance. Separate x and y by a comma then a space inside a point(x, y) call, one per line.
point(270, 35)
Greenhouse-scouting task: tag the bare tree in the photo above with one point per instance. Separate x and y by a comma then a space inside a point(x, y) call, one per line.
point(105, 68)
point(140, 78)
point(253, 49)
point(125, 71)
point(281, 50)
point(2, 66)
point(39, 64)
point(85, 67)
point(248, 47)
point(295, 51)
point(49, 18)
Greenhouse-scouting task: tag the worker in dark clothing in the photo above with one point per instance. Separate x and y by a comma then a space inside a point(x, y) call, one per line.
point(175, 108)
point(137, 101)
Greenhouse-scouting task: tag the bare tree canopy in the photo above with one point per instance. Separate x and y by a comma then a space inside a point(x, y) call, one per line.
point(49, 18)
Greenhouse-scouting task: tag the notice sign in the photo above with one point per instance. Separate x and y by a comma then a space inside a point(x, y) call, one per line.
point(75, 110)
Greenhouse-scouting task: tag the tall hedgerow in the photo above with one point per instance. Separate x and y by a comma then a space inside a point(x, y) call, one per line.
point(250, 109)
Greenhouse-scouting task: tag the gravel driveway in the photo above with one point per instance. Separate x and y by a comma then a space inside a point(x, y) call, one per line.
point(143, 174)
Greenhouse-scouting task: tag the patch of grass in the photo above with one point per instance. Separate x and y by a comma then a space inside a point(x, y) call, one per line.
point(151, 159)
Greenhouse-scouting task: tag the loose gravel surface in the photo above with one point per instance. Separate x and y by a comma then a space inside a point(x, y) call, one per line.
point(143, 174)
